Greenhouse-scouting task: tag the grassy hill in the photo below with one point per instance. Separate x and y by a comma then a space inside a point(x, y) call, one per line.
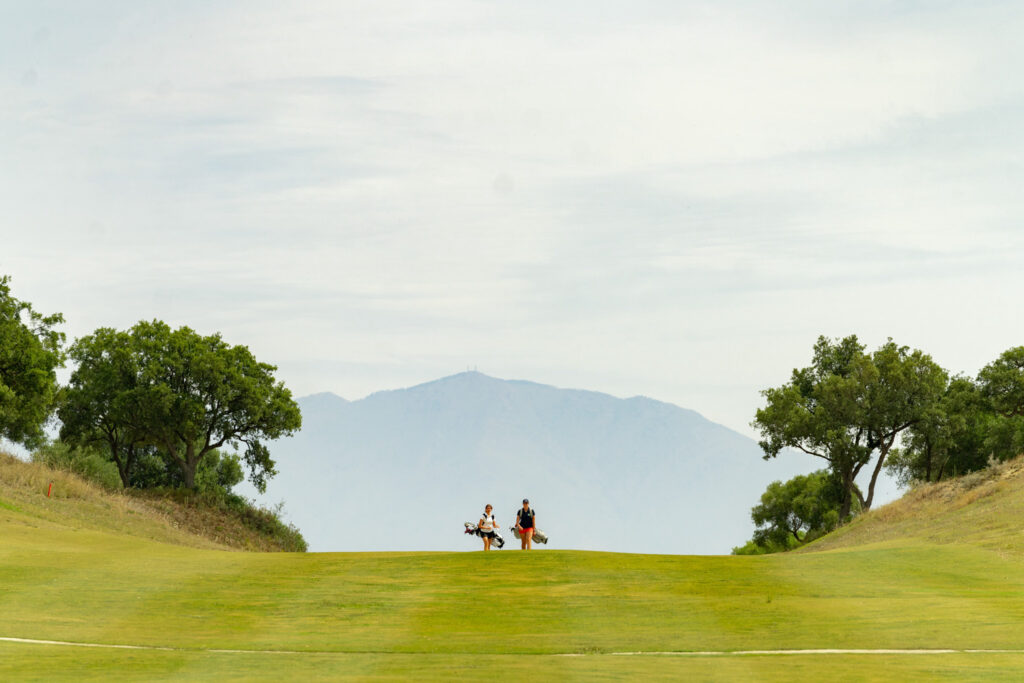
point(984, 510)
point(892, 581)
point(170, 517)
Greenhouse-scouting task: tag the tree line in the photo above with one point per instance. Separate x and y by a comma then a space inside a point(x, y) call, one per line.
point(163, 405)
point(893, 408)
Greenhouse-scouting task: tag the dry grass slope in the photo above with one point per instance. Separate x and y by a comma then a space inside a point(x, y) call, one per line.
point(77, 503)
point(981, 509)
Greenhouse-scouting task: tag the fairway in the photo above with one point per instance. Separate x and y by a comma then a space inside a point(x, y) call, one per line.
point(932, 587)
point(506, 614)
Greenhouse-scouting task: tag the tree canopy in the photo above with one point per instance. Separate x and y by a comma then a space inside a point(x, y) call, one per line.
point(849, 406)
point(102, 404)
point(797, 511)
point(1002, 382)
point(952, 437)
point(30, 353)
point(181, 393)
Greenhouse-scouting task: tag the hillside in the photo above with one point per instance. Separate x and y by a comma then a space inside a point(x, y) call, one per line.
point(81, 505)
point(983, 509)
point(403, 469)
point(921, 599)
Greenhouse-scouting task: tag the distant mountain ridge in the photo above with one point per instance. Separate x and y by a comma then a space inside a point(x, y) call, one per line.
point(402, 469)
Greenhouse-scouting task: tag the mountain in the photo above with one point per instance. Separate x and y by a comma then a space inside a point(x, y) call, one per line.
point(403, 469)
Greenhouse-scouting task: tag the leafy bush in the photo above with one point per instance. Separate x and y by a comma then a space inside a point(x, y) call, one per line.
point(268, 522)
point(217, 473)
point(795, 512)
point(758, 547)
point(151, 470)
point(85, 462)
point(212, 507)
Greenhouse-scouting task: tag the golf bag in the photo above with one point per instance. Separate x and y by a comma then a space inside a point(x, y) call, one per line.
point(538, 535)
point(497, 542)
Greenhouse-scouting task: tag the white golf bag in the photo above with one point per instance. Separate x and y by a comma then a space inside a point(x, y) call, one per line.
point(497, 541)
point(538, 535)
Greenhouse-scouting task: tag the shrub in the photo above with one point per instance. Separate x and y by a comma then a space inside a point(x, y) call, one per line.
point(210, 509)
point(85, 462)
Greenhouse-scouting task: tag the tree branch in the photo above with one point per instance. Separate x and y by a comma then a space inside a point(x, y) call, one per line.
point(809, 452)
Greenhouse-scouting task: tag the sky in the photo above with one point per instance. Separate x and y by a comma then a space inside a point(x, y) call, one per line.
point(670, 199)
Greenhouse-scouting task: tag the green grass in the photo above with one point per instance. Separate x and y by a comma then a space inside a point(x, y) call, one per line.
point(510, 614)
point(982, 509)
point(78, 664)
point(172, 516)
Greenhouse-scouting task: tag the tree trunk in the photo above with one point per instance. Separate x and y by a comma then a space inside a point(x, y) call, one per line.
point(122, 469)
point(844, 510)
point(188, 467)
point(189, 474)
point(928, 463)
point(883, 450)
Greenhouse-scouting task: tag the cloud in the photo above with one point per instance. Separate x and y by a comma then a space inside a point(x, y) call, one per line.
point(658, 198)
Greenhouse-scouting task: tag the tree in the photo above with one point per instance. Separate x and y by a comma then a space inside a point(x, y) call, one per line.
point(30, 353)
point(952, 437)
point(200, 394)
point(800, 509)
point(101, 405)
point(1003, 437)
point(814, 411)
point(1002, 383)
point(848, 406)
point(908, 386)
point(1002, 386)
point(180, 393)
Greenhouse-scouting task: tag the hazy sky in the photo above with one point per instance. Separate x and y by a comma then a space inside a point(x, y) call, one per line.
point(639, 197)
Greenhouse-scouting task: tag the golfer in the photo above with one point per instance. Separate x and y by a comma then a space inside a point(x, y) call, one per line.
point(487, 525)
point(526, 522)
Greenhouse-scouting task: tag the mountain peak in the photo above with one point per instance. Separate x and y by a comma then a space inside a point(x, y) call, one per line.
point(324, 398)
point(467, 376)
point(473, 385)
point(452, 444)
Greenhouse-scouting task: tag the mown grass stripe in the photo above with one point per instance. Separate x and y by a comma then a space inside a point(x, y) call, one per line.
point(703, 653)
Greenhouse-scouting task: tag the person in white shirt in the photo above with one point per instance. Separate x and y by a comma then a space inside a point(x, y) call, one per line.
point(487, 525)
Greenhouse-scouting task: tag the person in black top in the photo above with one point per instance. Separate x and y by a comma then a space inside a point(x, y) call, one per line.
point(526, 522)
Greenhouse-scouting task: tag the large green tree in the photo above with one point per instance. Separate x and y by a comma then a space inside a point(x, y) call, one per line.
point(185, 394)
point(102, 403)
point(849, 407)
point(30, 353)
